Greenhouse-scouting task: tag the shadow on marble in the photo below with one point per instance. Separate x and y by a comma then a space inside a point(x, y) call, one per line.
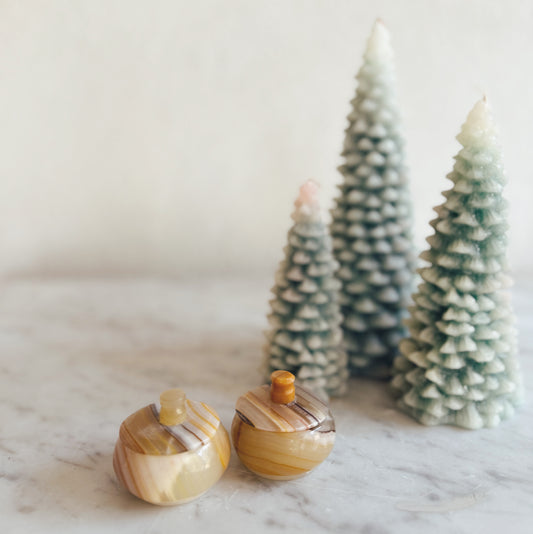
point(77, 487)
point(83, 486)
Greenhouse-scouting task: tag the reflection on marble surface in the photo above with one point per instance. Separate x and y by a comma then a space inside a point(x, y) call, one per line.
point(76, 357)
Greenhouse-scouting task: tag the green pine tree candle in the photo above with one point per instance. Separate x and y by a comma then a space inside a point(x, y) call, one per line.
point(371, 225)
point(458, 366)
point(305, 336)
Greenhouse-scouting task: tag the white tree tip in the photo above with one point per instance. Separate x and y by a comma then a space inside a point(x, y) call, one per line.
point(480, 111)
point(378, 47)
point(479, 126)
point(308, 194)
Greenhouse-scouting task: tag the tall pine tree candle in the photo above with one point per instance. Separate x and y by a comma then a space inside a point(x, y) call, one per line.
point(458, 365)
point(371, 225)
point(305, 335)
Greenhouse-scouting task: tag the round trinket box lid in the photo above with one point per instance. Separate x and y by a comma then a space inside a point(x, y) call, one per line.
point(282, 406)
point(175, 425)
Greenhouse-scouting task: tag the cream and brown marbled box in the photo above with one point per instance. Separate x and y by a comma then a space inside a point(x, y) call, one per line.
point(174, 454)
point(282, 431)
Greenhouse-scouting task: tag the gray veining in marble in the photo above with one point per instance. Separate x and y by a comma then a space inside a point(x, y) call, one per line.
point(78, 356)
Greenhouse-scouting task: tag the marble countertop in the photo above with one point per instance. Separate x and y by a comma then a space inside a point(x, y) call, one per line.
point(78, 356)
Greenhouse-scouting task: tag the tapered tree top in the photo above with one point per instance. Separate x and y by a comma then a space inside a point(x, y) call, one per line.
point(378, 48)
point(307, 204)
point(479, 128)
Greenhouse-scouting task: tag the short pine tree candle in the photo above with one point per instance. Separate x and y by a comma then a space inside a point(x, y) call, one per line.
point(458, 365)
point(305, 335)
point(371, 225)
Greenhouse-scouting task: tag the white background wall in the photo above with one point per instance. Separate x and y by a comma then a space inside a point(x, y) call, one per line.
point(170, 137)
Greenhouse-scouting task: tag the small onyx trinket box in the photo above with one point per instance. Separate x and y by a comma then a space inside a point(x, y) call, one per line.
point(282, 431)
point(173, 453)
